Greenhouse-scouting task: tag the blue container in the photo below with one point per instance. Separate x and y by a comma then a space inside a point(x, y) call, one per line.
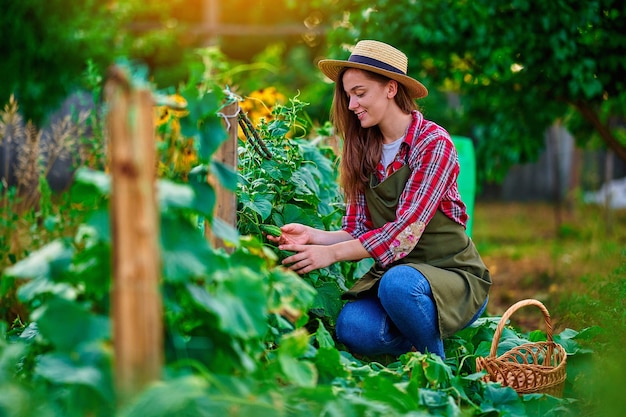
point(467, 176)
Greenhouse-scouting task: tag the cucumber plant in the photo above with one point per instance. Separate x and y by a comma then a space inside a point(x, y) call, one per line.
point(297, 184)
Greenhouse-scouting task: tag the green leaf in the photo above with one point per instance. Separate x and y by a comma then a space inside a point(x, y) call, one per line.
point(202, 122)
point(329, 365)
point(299, 372)
point(322, 164)
point(185, 396)
point(289, 292)
point(592, 87)
point(100, 224)
point(38, 263)
point(60, 368)
point(87, 178)
point(414, 362)
point(543, 405)
point(363, 266)
point(323, 337)
point(503, 400)
point(239, 303)
point(91, 271)
point(212, 135)
point(43, 286)
point(476, 376)
point(278, 128)
point(328, 299)
point(295, 343)
point(567, 339)
point(273, 169)
point(226, 175)
point(189, 128)
point(193, 196)
point(589, 333)
point(258, 203)
point(250, 259)
point(205, 198)
point(436, 371)
point(305, 181)
point(483, 349)
point(537, 336)
point(185, 252)
point(225, 231)
point(294, 214)
point(51, 222)
point(78, 325)
point(432, 398)
point(10, 354)
point(509, 340)
point(383, 387)
point(199, 396)
point(176, 195)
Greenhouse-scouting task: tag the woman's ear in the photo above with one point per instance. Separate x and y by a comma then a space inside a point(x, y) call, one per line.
point(392, 89)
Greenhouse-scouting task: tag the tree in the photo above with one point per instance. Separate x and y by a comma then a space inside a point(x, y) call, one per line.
point(46, 45)
point(518, 66)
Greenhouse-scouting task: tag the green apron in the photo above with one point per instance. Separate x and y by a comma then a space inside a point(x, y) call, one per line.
point(445, 255)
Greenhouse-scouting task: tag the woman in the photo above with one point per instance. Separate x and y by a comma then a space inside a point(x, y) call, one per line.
point(399, 174)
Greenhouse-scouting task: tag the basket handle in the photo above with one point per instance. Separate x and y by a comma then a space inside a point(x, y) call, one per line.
point(507, 314)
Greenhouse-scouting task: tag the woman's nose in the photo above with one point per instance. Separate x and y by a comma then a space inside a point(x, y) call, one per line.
point(353, 104)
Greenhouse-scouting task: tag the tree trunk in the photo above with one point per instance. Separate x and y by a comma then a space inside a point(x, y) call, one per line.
point(554, 145)
point(603, 129)
point(608, 195)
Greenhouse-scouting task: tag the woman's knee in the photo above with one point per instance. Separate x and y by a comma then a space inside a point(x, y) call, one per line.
point(401, 281)
point(349, 328)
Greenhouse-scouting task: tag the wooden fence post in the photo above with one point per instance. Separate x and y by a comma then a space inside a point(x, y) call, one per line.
point(226, 200)
point(136, 297)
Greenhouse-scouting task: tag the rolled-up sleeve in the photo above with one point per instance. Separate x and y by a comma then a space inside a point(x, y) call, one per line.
point(357, 219)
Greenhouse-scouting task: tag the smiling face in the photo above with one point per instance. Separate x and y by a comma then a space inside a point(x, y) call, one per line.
point(368, 97)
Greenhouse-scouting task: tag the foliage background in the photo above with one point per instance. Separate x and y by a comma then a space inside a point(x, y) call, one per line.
point(52, 48)
point(497, 72)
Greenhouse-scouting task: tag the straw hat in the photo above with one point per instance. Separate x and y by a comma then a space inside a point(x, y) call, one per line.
point(376, 57)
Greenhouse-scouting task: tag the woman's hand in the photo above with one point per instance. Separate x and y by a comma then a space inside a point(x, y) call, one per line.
point(293, 234)
point(315, 248)
point(308, 257)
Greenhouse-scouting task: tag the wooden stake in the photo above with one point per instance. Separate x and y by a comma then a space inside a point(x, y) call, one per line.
point(136, 298)
point(226, 200)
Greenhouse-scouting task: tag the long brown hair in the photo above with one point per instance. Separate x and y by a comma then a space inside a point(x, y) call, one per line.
point(362, 147)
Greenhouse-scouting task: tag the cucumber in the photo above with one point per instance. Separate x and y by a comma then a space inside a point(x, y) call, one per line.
point(270, 229)
point(282, 254)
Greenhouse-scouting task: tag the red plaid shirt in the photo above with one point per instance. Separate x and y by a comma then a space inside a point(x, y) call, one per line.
point(432, 186)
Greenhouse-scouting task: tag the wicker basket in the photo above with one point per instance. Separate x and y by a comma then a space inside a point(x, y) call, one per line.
point(529, 368)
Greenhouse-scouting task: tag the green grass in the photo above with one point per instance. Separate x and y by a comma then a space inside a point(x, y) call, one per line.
point(578, 269)
point(527, 250)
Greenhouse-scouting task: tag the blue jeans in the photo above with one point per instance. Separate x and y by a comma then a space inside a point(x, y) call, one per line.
point(402, 316)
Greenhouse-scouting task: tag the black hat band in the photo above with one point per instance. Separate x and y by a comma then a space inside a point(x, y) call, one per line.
point(360, 59)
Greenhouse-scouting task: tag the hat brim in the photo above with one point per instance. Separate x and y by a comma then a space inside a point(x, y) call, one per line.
point(332, 68)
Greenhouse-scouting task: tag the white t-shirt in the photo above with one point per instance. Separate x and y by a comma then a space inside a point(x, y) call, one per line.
point(390, 150)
